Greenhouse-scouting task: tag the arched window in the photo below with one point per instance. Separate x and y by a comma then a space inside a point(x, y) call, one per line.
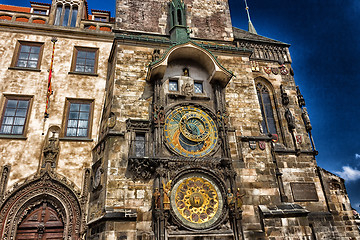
point(66, 15)
point(179, 18)
point(268, 123)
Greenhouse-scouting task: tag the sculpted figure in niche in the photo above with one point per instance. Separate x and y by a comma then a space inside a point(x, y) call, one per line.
point(156, 196)
point(187, 89)
point(166, 200)
point(306, 119)
point(290, 119)
point(239, 201)
point(51, 151)
point(186, 72)
point(230, 199)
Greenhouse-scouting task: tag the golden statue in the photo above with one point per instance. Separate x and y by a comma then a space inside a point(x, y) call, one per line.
point(166, 200)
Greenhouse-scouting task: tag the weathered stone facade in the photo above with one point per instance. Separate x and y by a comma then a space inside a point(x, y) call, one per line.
point(194, 129)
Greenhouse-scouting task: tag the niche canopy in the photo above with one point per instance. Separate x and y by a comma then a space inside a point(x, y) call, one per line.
point(190, 51)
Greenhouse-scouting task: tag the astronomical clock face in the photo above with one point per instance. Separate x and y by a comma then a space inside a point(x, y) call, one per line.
point(197, 201)
point(190, 132)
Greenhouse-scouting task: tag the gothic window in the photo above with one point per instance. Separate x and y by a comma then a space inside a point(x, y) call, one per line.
point(66, 15)
point(78, 118)
point(173, 85)
point(85, 60)
point(27, 55)
point(15, 115)
point(268, 123)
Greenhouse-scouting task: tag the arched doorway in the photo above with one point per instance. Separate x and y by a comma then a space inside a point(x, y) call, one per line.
point(42, 223)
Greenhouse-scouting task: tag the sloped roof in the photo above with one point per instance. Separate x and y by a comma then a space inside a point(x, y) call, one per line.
point(240, 34)
point(14, 8)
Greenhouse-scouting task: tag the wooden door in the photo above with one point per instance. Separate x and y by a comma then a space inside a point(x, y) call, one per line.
point(43, 223)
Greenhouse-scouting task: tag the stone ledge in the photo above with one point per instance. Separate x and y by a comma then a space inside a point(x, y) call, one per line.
point(116, 215)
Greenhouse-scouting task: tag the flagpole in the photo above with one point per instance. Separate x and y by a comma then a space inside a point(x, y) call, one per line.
point(49, 90)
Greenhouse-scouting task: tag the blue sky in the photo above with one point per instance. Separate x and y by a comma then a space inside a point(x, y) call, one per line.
point(324, 38)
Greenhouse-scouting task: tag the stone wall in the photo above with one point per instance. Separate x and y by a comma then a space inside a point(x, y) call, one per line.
point(207, 19)
point(74, 155)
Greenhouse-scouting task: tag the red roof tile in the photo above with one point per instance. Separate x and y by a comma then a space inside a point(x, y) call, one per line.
point(14, 8)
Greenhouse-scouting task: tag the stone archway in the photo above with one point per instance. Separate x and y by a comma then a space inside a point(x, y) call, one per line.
point(60, 197)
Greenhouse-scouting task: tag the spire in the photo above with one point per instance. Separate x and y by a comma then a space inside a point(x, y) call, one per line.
point(251, 27)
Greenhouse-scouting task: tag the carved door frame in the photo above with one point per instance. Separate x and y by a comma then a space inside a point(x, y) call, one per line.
point(29, 194)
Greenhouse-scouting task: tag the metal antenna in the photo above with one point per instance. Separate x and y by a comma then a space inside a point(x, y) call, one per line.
point(251, 27)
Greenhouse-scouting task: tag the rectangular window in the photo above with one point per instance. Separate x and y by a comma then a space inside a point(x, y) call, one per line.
point(198, 87)
point(173, 85)
point(40, 11)
point(101, 19)
point(85, 60)
point(78, 119)
point(14, 116)
point(140, 144)
point(28, 55)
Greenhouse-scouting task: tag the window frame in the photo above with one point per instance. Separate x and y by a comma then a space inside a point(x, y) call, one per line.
point(273, 105)
point(75, 57)
point(136, 140)
point(7, 97)
point(177, 84)
point(17, 52)
point(202, 87)
point(68, 103)
point(62, 14)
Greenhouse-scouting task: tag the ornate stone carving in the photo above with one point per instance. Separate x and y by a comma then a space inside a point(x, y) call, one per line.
point(290, 119)
point(137, 124)
point(300, 97)
point(230, 200)
point(166, 198)
point(111, 122)
point(46, 187)
point(4, 179)
point(222, 117)
point(187, 89)
point(156, 55)
point(266, 51)
point(141, 169)
point(239, 201)
point(51, 152)
point(158, 114)
point(284, 97)
point(306, 119)
point(156, 198)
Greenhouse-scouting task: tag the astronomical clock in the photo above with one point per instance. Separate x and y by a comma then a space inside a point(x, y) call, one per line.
point(190, 132)
point(197, 198)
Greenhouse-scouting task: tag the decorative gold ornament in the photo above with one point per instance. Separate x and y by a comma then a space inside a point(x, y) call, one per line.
point(190, 132)
point(196, 201)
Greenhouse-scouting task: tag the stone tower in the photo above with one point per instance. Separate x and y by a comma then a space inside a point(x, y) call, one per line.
point(165, 123)
point(204, 134)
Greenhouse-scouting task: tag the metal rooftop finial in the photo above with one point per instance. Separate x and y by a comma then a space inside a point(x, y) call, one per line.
point(251, 26)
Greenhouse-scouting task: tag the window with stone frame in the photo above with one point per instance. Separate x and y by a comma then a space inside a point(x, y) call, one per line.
point(28, 55)
point(78, 118)
point(85, 60)
point(15, 115)
point(198, 87)
point(66, 15)
point(140, 144)
point(265, 101)
point(173, 85)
